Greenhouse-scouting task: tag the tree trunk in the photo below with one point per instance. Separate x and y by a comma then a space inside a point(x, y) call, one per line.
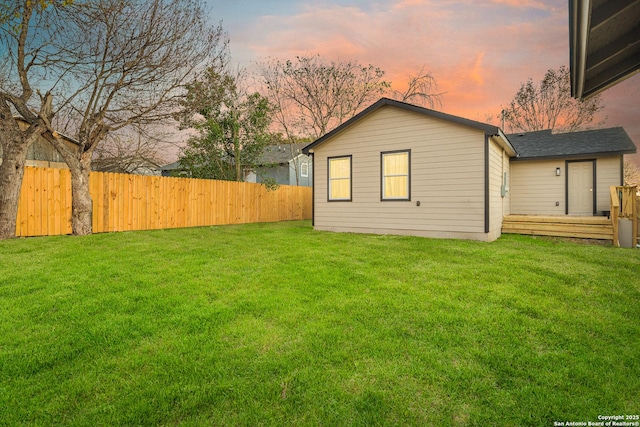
point(238, 166)
point(236, 152)
point(82, 211)
point(14, 155)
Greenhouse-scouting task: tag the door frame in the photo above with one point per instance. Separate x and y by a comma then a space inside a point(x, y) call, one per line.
point(566, 184)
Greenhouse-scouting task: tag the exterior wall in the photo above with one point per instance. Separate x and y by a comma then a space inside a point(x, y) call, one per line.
point(498, 204)
point(306, 181)
point(279, 173)
point(42, 154)
point(284, 173)
point(447, 178)
point(506, 205)
point(535, 188)
point(607, 174)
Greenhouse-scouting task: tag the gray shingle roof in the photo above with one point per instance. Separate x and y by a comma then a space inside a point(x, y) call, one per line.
point(281, 154)
point(546, 145)
point(272, 155)
point(171, 166)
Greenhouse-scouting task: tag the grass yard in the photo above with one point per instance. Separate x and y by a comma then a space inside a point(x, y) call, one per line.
point(277, 324)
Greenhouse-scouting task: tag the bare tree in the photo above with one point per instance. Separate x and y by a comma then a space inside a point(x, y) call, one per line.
point(310, 95)
point(549, 105)
point(130, 153)
point(631, 173)
point(422, 89)
point(27, 31)
point(110, 64)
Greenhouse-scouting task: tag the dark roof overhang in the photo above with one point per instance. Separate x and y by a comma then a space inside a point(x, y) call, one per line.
point(574, 156)
point(604, 43)
point(545, 145)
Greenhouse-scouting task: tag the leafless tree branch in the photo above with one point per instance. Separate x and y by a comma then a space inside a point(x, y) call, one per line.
point(549, 105)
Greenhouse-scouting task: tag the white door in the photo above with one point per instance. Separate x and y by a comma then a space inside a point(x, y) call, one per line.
point(580, 191)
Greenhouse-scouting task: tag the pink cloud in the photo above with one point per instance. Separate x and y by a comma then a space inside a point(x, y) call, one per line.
point(524, 3)
point(479, 52)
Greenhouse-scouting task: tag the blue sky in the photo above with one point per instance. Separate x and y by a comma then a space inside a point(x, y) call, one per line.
point(479, 51)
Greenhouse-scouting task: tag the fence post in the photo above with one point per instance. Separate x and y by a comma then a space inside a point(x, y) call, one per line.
point(615, 209)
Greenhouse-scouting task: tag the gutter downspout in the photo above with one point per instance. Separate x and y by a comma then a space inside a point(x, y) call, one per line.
point(313, 189)
point(486, 183)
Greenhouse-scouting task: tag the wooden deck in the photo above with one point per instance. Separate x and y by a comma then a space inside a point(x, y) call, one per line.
point(584, 227)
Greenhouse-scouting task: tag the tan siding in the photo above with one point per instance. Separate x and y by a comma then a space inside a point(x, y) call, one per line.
point(497, 166)
point(506, 205)
point(535, 188)
point(607, 174)
point(447, 177)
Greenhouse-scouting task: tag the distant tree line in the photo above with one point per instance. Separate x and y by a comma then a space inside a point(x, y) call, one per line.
point(293, 100)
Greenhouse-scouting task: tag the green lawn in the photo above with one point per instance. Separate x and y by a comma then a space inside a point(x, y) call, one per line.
point(277, 324)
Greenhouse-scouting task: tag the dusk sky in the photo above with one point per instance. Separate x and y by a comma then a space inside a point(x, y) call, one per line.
point(478, 51)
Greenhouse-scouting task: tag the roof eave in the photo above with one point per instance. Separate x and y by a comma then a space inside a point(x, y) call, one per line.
point(489, 130)
point(504, 142)
point(67, 137)
point(603, 44)
point(579, 17)
point(576, 156)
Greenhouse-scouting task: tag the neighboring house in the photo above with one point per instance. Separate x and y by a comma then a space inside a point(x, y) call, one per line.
point(282, 163)
point(42, 154)
point(285, 164)
point(172, 169)
point(397, 168)
point(567, 173)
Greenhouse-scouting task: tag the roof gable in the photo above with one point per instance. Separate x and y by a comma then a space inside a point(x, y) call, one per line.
point(25, 124)
point(547, 145)
point(489, 130)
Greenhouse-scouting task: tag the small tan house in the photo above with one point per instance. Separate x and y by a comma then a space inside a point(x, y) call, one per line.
point(567, 173)
point(397, 168)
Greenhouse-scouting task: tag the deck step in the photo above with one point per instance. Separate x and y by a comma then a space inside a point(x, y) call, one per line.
point(562, 226)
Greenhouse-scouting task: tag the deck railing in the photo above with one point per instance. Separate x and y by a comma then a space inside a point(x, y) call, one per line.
point(624, 204)
point(615, 211)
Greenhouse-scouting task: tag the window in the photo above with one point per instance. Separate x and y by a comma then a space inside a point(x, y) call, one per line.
point(340, 178)
point(396, 183)
point(304, 169)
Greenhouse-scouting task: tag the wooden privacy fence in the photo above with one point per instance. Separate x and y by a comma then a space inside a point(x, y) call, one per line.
point(123, 202)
